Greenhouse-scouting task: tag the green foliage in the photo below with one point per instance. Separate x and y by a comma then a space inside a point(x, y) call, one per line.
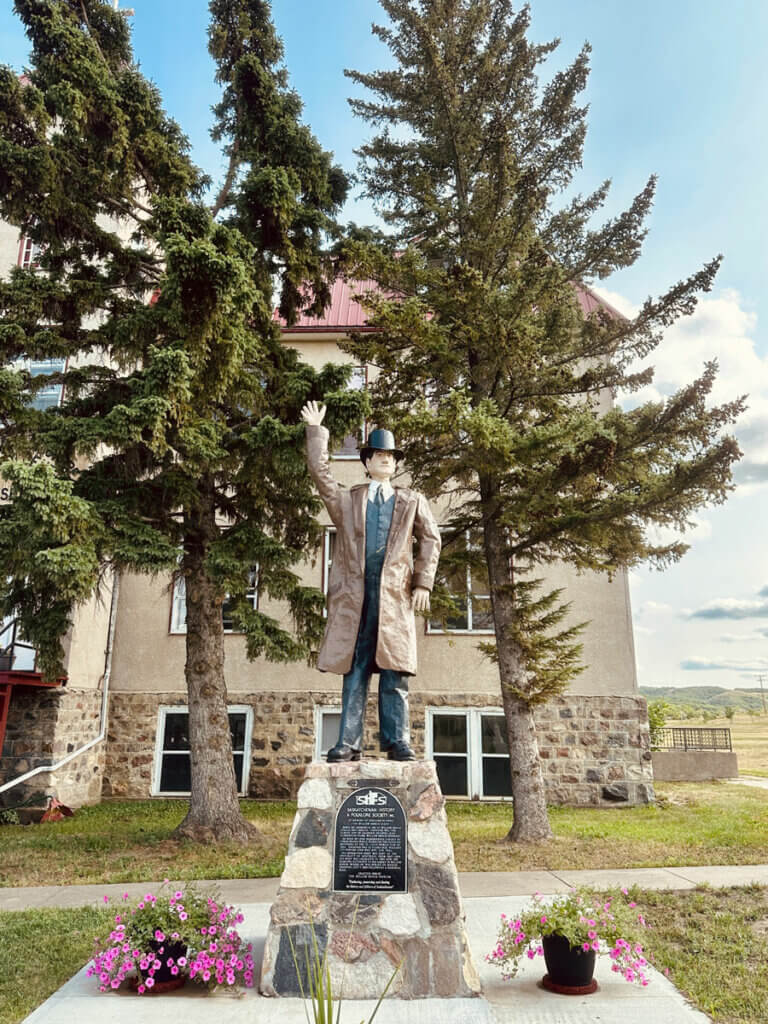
point(689, 701)
point(179, 401)
point(658, 713)
point(478, 312)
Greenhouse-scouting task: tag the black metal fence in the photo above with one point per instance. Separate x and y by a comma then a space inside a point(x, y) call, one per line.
point(693, 739)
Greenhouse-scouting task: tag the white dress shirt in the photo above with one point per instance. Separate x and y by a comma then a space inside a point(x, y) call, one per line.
point(387, 490)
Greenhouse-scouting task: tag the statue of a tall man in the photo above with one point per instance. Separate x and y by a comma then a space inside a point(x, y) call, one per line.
point(376, 584)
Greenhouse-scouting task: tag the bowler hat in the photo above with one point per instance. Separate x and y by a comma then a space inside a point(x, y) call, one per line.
point(380, 441)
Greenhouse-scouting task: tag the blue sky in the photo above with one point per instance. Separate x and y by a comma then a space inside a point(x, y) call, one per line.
point(679, 89)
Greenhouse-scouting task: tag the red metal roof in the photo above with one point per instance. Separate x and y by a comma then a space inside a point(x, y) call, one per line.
point(344, 313)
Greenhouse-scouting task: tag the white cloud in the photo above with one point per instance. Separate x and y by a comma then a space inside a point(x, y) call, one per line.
point(741, 638)
point(726, 664)
point(720, 328)
point(655, 608)
point(732, 608)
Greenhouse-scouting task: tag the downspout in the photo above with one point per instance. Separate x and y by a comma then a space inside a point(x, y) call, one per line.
point(42, 768)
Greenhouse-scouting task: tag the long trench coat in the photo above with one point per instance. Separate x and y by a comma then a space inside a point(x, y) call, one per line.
point(412, 517)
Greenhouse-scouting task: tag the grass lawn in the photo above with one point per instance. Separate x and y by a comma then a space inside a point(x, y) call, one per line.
point(711, 941)
point(714, 942)
point(40, 950)
point(693, 823)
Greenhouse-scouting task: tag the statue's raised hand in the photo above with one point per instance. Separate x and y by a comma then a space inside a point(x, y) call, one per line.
point(313, 413)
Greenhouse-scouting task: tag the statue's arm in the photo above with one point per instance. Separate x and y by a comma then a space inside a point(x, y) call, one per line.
point(318, 461)
point(427, 535)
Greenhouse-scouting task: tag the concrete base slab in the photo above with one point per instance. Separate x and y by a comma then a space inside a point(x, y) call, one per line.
point(520, 1001)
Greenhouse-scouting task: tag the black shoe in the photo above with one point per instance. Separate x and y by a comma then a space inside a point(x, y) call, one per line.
point(343, 752)
point(400, 752)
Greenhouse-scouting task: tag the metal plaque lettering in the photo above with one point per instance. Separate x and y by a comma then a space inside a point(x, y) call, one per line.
point(369, 845)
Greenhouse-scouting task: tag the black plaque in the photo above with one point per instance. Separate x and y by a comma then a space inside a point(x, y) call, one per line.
point(369, 852)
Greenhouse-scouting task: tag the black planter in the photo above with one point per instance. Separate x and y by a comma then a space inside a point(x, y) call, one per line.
point(568, 969)
point(163, 974)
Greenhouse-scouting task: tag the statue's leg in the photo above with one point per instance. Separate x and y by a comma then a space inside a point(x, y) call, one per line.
point(354, 692)
point(394, 721)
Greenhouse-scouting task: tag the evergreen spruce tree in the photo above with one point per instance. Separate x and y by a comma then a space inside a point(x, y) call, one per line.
point(176, 446)
point(478, 313)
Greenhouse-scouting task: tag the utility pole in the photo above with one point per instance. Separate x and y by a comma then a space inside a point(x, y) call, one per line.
point(761, 677)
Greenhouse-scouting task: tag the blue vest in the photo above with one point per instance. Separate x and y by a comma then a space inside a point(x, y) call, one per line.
point(378, 519)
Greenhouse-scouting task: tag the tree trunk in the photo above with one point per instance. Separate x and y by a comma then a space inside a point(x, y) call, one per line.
point(530, 823)
point(214, 811)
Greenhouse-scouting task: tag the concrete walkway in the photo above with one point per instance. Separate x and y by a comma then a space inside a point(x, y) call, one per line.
point(474, 885)
point(486, 896)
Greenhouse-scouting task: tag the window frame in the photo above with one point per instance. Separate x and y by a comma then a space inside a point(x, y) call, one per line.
point(474, 755)
point(362, 431)
point(177, 627)
point(157, 763)
point(328, 532)
point(469, 630)
point(318, 754)
point(29, 253)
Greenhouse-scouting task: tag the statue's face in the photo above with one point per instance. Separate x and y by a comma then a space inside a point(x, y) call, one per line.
point(381, 465)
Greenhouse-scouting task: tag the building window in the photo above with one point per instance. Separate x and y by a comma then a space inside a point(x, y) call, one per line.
point(349, 448)
point(179, 603)
point(469, 747)
point(172, 776)
point(327, 722)
point(471, 593)
point(329, 546)
point(49, 396)
point(29, 254)
point(19, 655)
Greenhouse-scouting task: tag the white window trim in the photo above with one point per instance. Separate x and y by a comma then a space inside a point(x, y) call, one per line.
point(29, 253)
point(178, 624)
point(328, 531)
point(319, 711)
point(157, 767)
point(474, 753)
point(362, 436)
point(469, 631)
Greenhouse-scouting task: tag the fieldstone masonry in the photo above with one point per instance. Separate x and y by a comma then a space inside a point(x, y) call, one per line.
point(595, 751)
point(367, 935)
point(44, 725)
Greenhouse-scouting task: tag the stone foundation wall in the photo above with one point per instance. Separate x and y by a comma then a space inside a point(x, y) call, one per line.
point(44, 725)
point(594, 750)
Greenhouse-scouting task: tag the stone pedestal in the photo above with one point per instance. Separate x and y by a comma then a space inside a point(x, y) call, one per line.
point(368, 933)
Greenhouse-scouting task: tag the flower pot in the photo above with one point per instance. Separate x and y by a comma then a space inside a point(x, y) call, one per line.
point(163, 978)
point(569, 971)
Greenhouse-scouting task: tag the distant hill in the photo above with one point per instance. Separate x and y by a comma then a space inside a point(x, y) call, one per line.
point(712, 698)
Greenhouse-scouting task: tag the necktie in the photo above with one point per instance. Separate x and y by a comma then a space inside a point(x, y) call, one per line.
point(379, 499)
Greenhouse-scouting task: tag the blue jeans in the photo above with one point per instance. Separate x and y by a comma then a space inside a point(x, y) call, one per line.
point(393, 686)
